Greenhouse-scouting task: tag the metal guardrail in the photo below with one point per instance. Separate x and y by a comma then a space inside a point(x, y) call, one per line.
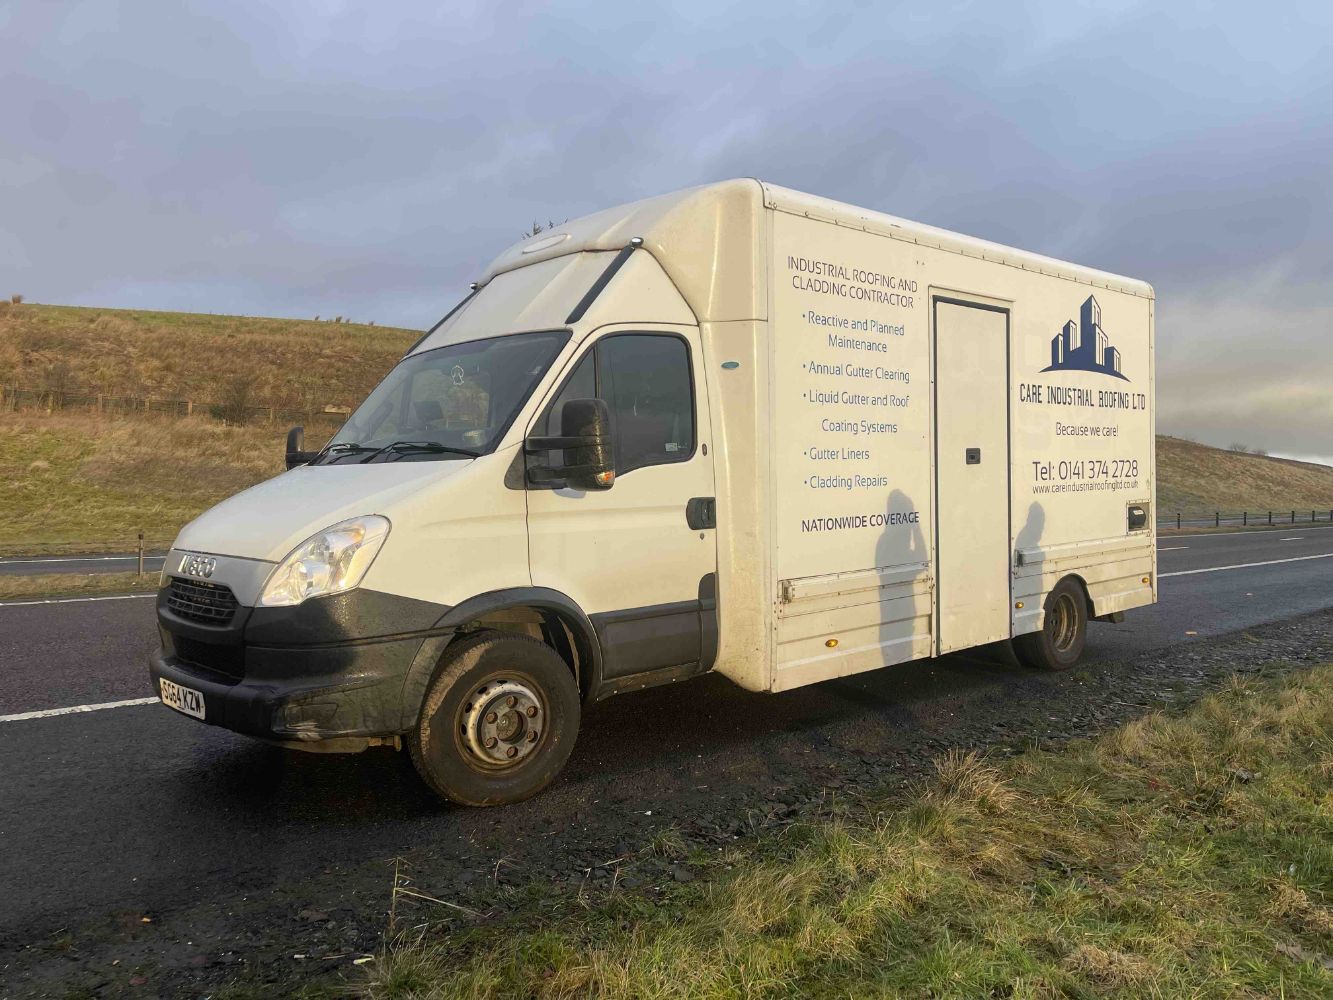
point(1245, 518)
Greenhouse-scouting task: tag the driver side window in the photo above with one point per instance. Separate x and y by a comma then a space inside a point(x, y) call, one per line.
point(646, 382)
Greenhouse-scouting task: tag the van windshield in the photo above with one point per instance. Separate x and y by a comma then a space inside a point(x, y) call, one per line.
point(451, 402)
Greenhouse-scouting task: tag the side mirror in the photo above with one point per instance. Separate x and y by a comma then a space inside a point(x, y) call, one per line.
point(296, 453)
point(585, 438)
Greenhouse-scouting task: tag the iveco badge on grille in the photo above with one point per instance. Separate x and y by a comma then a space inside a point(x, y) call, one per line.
point(200, 566)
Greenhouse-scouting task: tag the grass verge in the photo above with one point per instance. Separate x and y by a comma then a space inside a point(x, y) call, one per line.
point(82, 483)
point(35, 588)
point(1175, 856)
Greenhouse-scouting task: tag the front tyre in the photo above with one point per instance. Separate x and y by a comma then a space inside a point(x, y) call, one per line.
point(499, 720)
point(1064, 630)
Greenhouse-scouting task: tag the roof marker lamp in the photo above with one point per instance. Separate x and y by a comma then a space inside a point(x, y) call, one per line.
point(330, 562)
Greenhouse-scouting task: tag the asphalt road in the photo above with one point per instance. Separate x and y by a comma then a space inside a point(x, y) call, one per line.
point(42, 565)
point(139, 810)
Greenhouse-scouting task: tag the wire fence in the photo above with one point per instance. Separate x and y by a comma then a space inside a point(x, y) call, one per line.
point(14, 398)
point(1244, 518)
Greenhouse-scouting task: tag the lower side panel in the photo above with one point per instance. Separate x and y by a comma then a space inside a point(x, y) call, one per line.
point(816, 642)
point(1120, 574)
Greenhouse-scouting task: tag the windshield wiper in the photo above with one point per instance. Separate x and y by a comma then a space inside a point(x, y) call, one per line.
point(428, 446)
point(343, 448)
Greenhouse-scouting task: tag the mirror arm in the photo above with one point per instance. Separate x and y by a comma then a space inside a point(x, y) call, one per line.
point(544, 475)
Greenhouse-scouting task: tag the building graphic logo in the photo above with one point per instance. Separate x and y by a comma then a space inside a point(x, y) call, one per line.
point(1084, 347)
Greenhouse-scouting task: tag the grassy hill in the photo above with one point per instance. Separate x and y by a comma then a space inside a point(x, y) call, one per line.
point(194, 356)
point(1195, 478)
point(76, 480)
point(72, 479)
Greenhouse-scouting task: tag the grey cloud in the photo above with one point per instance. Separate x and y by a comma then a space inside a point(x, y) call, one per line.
point(295, 159)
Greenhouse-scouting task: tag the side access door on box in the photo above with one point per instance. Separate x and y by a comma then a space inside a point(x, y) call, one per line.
point(971, 473)
point(641, 557)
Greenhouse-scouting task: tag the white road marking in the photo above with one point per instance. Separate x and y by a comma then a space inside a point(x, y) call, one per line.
point(1293, 538)
point(69, 559)
point(1268, 562)
point(1252, 531)
point(75, 709)
point(1173, 548)
point(72, 600)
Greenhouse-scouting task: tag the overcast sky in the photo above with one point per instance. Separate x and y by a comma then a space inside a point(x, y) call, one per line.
point(368, 159)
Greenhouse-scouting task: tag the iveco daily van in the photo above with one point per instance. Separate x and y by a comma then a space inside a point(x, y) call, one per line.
point(735, 428)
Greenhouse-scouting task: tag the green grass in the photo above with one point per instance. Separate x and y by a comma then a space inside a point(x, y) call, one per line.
point(76, 482)
point(25, 588)
point(1182, 856)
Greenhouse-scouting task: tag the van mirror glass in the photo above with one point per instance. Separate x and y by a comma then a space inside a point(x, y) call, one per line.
point(585, 441)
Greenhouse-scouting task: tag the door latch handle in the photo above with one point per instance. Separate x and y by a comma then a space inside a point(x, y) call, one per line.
point(973, 456)
point(701, 512)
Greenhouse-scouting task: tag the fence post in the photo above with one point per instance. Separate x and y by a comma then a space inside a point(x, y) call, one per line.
point(1245, 519)
point(1270, 518)
point(1293, 517)
point(1177, 520)
point(141, 555)
point(1217, 519)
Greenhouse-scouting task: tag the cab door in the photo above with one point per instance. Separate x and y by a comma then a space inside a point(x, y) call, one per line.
point(639, 558)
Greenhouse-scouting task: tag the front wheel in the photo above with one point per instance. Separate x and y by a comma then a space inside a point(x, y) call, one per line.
point(1064, 631)
point(499, 720)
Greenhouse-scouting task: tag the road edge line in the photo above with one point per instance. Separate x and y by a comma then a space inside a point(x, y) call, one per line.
point(1269, 562)
point(46, 713)
point(71, 600)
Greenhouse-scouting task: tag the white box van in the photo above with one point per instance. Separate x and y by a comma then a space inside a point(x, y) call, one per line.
point(735, 428)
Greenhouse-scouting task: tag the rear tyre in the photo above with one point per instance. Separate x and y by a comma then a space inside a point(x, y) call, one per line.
point(1060, 642)
point(499, 720)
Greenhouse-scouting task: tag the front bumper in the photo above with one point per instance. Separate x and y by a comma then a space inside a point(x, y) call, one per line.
point(300, 695)
point(327, 675)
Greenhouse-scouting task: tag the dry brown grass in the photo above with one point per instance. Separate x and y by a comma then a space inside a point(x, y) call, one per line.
point(1155, 886)
point(299, 364)
point(1196, 478)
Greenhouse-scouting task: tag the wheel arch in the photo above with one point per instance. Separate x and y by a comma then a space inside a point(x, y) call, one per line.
point(1083, 586)
point(540, 612)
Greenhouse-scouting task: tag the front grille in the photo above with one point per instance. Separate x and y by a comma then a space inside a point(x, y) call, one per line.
point(196, 601)
point(226, 660)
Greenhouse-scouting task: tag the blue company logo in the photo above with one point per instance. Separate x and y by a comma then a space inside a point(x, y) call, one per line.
point(1083, 346)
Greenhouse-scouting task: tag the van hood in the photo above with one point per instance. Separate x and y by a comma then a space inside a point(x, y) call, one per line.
point(267, 521)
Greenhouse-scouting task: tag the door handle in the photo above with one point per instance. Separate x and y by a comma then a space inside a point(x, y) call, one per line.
point(701, 512)
point(973, 456)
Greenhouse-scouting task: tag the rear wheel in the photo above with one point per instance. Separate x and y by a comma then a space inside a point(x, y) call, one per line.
point(499, 720)
point(1060, 642)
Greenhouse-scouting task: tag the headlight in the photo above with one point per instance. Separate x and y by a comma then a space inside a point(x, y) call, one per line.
point(328, 563)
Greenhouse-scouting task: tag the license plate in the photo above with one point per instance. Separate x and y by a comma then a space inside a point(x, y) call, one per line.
point(182, 699)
